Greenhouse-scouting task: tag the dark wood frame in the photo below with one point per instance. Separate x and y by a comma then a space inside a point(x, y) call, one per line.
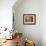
point(32, 17)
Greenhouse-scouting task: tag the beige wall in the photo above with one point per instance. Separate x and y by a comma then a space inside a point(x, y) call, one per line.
point(43, 22)
point(29, 31)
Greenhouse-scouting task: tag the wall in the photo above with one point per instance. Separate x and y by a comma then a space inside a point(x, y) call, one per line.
point(43, 22)
point(6, 13)
point(29, 31)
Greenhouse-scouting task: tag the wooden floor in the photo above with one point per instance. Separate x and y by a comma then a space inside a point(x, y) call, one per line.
point(9, 43)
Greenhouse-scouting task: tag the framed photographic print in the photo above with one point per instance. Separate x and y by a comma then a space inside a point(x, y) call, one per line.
point(29, 19)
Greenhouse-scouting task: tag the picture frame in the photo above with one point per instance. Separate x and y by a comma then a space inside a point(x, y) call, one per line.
point(29, 19)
